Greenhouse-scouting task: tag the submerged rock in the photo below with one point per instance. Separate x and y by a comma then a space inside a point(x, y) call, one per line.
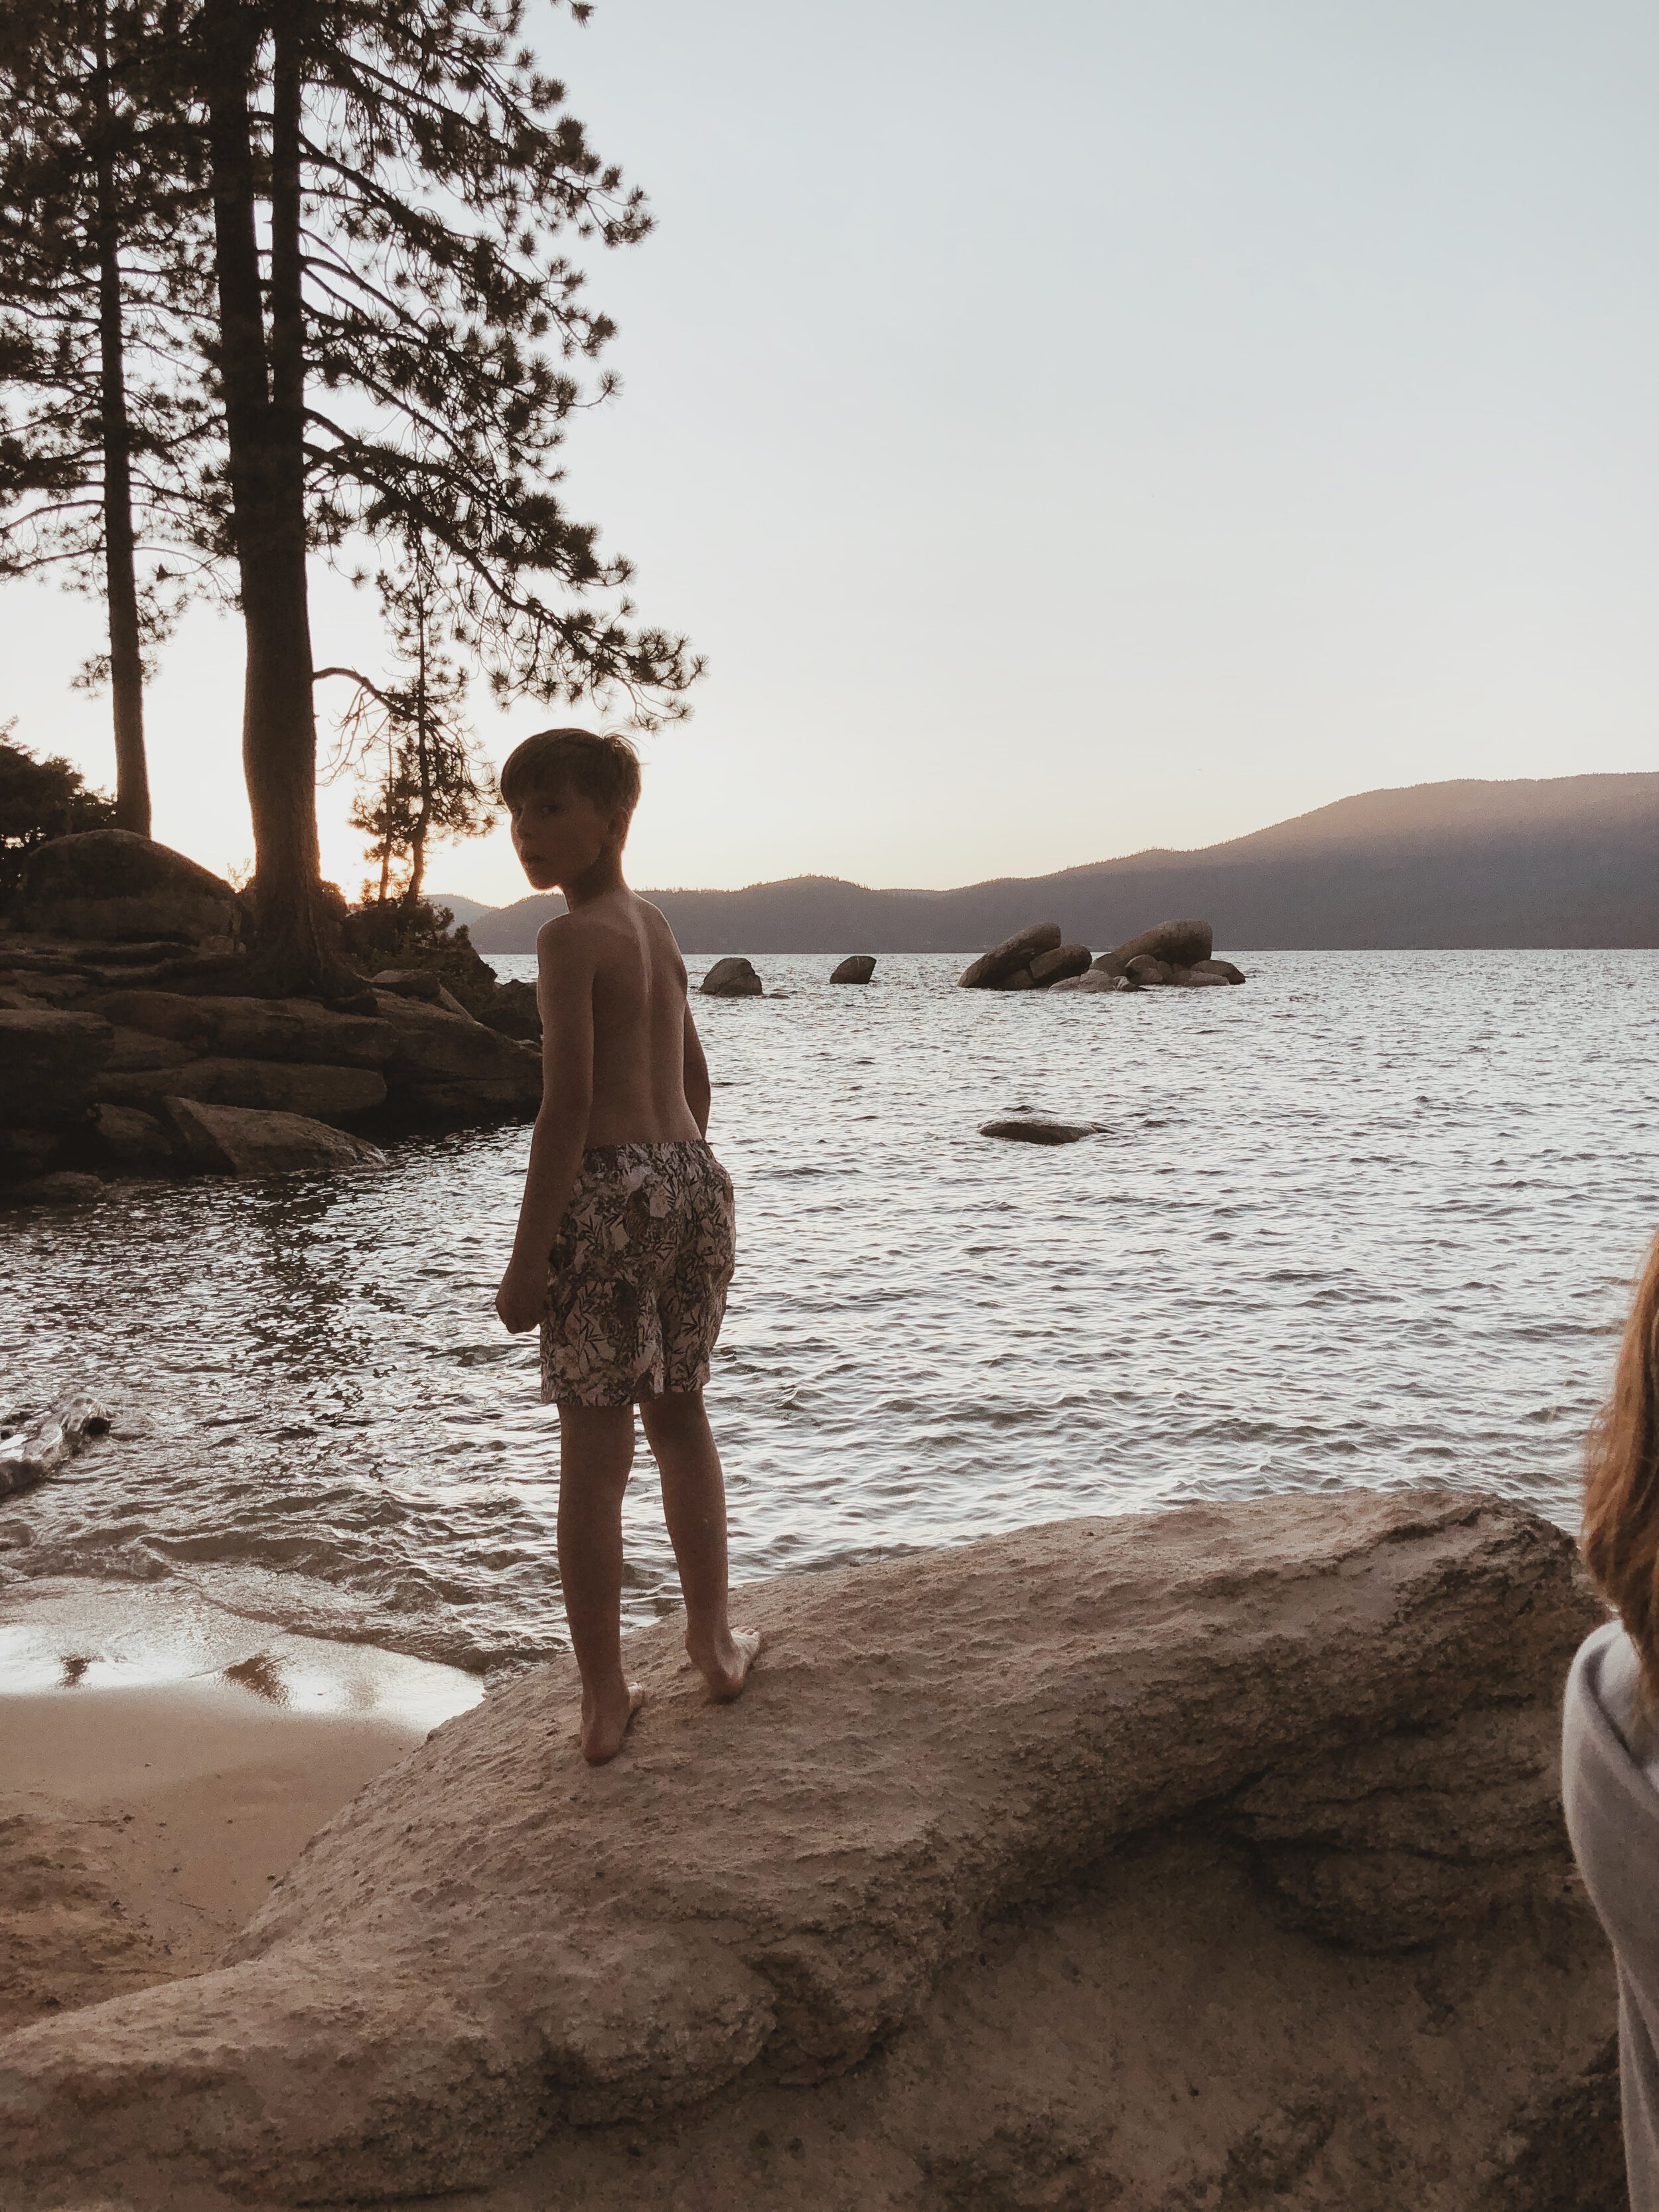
point(239, 1141)
point(1013, 954)
point(734, 977)
point(857, 968)
point(1186, 1856)
point(40, 1446)
point(1038, 1131)
point(1094, 983)
point(63, 1187)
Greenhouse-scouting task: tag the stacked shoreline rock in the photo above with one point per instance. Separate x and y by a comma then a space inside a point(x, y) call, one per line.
point(126, 1045)
point(1034, 959)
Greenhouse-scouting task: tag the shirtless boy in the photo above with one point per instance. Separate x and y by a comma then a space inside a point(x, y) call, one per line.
point(625, 1241)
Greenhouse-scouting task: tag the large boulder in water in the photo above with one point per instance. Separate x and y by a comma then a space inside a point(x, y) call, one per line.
point(1056, 967)
point(239, 1141)
point(111, 884)
point(857, 968)
point(1176, 944)
point(734, 977)
point(1230, 1873)
point(1013, 957)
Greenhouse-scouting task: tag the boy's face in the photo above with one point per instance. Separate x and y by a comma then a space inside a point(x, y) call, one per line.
point(558, 834)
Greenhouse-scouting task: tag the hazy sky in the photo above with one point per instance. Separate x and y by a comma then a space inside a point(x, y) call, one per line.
point(1077, 427)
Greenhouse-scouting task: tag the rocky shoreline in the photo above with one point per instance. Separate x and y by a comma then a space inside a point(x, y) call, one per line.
point(1230, 1873)
point(129, 1043)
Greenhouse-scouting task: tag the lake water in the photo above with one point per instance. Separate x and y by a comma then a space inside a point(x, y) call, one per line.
point(1369, 1220)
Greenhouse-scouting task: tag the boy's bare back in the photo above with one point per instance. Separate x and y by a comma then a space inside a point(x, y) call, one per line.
point(613, 989)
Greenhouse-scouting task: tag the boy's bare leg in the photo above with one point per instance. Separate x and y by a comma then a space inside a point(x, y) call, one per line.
point(694, 1506)
point(596, 1451)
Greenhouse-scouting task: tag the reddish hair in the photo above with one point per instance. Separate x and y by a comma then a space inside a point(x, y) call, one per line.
point(1621, 1482)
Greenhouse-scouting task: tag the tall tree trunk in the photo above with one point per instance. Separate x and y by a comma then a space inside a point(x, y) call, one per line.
point(126, 665)
point(265, 399)
point(423, 760)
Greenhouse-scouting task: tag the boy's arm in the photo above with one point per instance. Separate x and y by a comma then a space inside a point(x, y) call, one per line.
point(695, 1075)
point(564, 988)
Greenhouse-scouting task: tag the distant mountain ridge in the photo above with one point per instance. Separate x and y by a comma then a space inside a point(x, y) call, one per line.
point(1561, 861)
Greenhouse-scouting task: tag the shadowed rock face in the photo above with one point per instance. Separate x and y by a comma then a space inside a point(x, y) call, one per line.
point(1208, 1857)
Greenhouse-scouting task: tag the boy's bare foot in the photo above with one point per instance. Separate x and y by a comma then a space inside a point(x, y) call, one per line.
point(604, 1723)
point(725, 1665)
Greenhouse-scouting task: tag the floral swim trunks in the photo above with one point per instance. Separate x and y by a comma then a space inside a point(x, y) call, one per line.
point(638, 1274)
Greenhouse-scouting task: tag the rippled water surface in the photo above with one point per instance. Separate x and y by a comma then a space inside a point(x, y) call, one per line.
point(1369, 1220)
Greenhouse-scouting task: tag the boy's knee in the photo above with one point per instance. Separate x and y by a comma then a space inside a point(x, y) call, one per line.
point(672, 1409)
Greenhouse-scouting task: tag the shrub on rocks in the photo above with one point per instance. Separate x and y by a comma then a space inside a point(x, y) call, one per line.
point(419, 936)
point(734, 977)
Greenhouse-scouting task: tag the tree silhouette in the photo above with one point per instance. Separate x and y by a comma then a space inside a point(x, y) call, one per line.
point(409, 738)
point(396, 331)
point(103, 424)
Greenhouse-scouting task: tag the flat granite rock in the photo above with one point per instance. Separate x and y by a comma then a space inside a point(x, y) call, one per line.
point(1204, 1857)
point(243, 1141)
point(1038, 1132)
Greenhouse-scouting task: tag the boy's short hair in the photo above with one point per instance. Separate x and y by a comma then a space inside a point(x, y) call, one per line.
point(604, 767)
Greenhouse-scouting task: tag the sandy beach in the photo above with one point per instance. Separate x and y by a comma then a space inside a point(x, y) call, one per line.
point(162, 1764)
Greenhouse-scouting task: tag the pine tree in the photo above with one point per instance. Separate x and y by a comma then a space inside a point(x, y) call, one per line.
point(102, 421)
point(396, 331)
point(409, 740)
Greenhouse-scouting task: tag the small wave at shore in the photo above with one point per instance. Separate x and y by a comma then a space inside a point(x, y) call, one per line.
point(1369, 1220)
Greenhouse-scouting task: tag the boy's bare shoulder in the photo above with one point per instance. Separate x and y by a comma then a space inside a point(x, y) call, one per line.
point(563, 941)
point(657, 923)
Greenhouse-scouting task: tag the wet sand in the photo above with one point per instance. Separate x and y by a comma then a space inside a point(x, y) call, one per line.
point(161, 1764)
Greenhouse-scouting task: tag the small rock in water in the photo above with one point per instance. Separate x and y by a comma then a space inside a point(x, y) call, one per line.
point(1039, 1133)
point(42, 1445)
point(63, 1188)
point(734, 977)
point(857, 968)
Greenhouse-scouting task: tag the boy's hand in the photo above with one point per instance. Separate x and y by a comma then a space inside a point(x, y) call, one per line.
point(522, 1296)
